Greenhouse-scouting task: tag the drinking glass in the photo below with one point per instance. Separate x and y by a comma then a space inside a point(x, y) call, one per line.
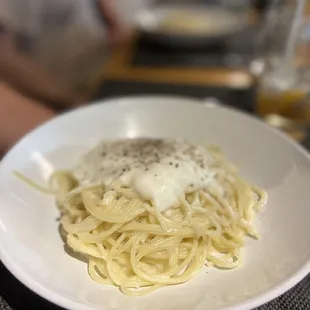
point(283, 88)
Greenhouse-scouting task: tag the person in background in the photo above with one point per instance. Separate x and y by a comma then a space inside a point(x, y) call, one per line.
point(48, 51)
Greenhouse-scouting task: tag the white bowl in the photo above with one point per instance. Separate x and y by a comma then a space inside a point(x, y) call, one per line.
point(31, 247)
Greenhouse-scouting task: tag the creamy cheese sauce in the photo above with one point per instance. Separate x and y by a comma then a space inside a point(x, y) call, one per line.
point(161, 170)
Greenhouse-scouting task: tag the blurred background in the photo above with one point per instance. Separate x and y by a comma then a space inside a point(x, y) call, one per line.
point(56, 55)
point(250, 54)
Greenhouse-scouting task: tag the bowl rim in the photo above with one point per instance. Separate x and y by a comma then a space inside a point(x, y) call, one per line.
point(69, 303)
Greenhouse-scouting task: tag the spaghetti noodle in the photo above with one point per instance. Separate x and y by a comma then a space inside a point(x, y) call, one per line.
point(150, 213)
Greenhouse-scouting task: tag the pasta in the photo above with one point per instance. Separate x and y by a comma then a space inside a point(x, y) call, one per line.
point(134, 243)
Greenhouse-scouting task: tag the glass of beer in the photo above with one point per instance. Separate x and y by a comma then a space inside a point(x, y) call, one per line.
point(283, 88)
point(284, 93)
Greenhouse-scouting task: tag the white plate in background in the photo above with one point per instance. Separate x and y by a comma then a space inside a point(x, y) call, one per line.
point(190, 25)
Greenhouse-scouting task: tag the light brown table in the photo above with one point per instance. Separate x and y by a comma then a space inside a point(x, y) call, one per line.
point(119, 68)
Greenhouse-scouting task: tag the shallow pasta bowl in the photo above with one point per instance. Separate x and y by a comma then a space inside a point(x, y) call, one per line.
point(31, 246)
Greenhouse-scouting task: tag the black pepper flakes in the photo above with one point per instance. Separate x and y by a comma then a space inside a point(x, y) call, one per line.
point(177, 165)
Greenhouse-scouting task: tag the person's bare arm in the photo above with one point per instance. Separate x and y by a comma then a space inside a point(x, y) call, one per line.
point(29, 77)
point(118, 31)
point(18, 115)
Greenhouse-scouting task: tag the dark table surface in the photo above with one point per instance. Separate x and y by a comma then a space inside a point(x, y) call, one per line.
point(15, 296)
point(236, 52)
